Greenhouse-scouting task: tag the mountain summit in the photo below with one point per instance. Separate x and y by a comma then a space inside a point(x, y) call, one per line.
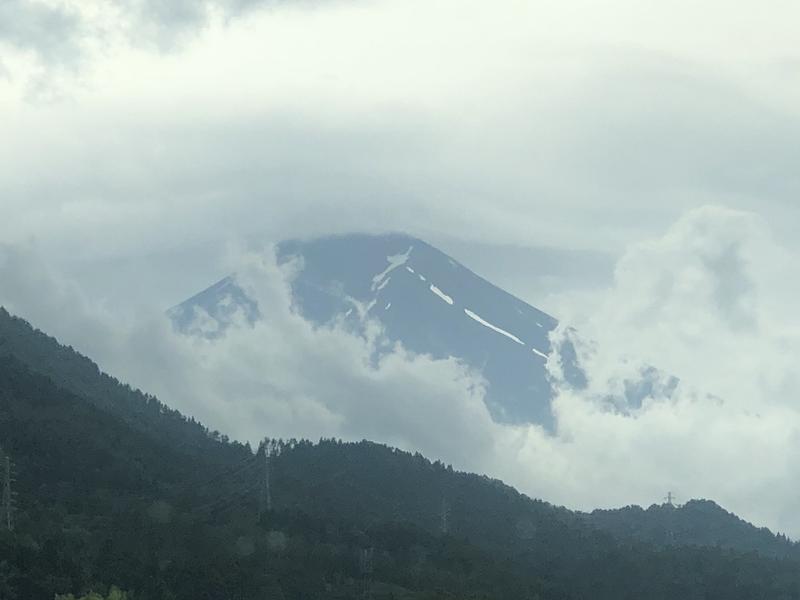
point(425, 299)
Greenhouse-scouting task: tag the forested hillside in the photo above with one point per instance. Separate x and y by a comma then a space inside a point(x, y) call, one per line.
point(113, 488)
point(78, 374)
point(698, 522)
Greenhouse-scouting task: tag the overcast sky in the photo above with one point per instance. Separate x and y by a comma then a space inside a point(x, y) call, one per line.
point(568, 151)
point(136, 128)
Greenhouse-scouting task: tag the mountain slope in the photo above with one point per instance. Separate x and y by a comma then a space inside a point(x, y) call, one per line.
point(423, 298)
point(77, 374)
point(696, 523)
point(102, 500)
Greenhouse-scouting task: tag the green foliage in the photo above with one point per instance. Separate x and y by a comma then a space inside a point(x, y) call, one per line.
point(697, 523)
point(114, 488)
point(113, 594)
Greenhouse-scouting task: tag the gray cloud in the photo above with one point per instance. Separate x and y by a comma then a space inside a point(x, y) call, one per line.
point(731, 439)
point(51, 32)
point(197, 180)
point(627, 141)
point(681, 127)
point(60, 35)
point(484, 132)
point(255, 381)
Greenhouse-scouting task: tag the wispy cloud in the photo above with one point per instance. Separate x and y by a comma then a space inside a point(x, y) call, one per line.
point(50, 31)
point(710, 300)
point(61, 32)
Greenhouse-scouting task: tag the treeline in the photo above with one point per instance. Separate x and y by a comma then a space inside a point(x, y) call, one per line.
point(113, 489)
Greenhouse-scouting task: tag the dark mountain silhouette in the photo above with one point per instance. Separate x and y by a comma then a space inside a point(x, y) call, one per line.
point(112, 487)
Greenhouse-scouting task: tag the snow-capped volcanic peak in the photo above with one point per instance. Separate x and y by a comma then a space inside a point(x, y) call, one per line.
point(426, 300)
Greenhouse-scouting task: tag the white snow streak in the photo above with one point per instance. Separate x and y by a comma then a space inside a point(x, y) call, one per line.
point(398, 260)
point(442, 295)
point(384, 283)
point(485, 323)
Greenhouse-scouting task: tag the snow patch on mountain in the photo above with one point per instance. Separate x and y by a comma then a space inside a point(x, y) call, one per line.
point(395, 261)
point(442, 295)
point(499, 330)
point(384, 283)
point(538, 353)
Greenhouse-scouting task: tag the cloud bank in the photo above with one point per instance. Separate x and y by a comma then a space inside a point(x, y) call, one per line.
point(711, 300)
point(63, 31)
point(49, 31)
point(561, 124)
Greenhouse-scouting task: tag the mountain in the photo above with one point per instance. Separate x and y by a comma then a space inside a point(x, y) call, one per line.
point(80, 376)
point(434, 305)
point(113, 487)
point(424, 299)
point(696, 523)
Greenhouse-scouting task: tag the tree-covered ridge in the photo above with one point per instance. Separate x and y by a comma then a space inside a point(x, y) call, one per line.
point(696, 523)
point(699, 523)
point(104, 500)
point(80, 375)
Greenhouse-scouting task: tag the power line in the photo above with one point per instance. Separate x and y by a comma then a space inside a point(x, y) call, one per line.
point(226, 477)
point(225, 473)
point(219, 482)
point(257, 475)
point(235, 499)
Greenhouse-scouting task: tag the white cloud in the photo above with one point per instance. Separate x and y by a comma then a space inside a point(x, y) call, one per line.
point(570, 124)
point(565, 124)
point(712, 300)
point(282, 377)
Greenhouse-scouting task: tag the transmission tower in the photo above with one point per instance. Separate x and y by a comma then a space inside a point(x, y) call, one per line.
point(366, 568)
point(445, 516)
point(267, 479)
point(7, 507)
point(271, 450)
point(670, 523)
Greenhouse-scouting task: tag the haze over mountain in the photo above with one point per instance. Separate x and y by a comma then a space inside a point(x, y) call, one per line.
point(116, 488)
point(430, 303)
point(593, 299)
